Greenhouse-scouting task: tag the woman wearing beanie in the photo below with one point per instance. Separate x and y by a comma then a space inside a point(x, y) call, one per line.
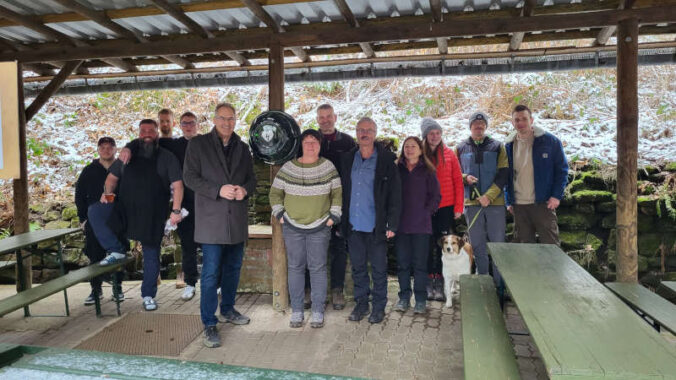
point(452, 198)
point(306, 197)
point(419, 200)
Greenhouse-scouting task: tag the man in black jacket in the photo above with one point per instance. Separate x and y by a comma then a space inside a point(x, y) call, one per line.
point(371, 211)
point(88, 190)
point(334, 144)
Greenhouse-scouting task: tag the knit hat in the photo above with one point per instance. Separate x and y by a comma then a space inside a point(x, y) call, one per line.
point(427, 125)
point(478, 116)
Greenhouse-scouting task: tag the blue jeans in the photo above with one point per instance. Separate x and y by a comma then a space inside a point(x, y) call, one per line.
point(98, 215)
point(412, 251)
point(221, 263)
point(365, 247)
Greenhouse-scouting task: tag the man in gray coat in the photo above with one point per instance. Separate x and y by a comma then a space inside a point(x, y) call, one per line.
point(219, 169)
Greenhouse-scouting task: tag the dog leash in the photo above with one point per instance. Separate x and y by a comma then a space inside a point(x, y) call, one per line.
point(476, 192)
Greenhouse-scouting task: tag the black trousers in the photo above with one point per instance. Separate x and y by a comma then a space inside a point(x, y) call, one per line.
point(186, 232)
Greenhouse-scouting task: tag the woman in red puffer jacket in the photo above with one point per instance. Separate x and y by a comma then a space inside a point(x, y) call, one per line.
point(452, 198)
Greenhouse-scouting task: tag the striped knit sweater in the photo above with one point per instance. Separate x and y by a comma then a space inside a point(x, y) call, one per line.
point(307, 195)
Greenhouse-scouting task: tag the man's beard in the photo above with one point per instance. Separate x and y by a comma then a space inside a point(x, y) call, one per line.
point(148, 149)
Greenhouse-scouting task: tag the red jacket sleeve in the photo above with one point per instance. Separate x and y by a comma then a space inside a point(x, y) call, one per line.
point(458, 187)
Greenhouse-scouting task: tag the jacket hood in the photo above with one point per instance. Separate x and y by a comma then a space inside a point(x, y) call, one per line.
point(537, 131)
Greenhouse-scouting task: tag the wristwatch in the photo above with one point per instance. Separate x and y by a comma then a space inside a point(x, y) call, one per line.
point(176, 211)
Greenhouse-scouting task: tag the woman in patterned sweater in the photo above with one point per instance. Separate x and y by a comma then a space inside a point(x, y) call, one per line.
point(306, 197)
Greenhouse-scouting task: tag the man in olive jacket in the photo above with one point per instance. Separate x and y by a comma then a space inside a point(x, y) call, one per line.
point(219, 169)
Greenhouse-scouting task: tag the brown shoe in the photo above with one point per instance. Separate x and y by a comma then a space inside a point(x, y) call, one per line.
point(338, 299)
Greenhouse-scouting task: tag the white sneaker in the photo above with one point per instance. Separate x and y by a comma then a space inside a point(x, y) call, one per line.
point(218, 291)
point(188, 293)
point(149, 304)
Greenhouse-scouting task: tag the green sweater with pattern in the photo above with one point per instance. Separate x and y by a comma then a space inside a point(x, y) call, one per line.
point(307, 195)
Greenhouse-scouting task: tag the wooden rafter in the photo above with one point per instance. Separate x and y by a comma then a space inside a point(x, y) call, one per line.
point(526, 11)
point(257, 9)
point(349, 17)
point(438, 16)
point(101, 19)
point(51, 88)
point(342, 62)
point(177, 13)
point(608, 31)
point(53, 34)
point(409, 27)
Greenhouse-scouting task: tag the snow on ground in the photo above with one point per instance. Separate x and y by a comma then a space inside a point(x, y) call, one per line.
point(579, 107)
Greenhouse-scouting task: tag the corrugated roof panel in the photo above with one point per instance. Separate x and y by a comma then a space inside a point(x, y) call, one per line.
point(153, 25)
point(21, 34)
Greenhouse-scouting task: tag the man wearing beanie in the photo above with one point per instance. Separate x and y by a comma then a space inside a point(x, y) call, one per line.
point(485, 171)
point(451, 206)
point(538, 174)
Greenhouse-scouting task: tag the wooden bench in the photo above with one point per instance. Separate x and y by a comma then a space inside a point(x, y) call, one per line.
point(647, 304)
point(487, 348)
point(56, 285)
point(669, 285)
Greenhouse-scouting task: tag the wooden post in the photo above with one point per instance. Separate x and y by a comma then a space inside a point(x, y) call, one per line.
point(280, 288)
point(627, 150)
point(20, 187)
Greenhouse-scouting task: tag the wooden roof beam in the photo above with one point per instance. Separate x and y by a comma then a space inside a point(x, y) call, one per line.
point(103, 20)
point(51, 88)
point(438, 16)
point(257, 9)
point(345, 10)
point(608, 31)
point(526, 11)
point(55, 35)
point(177, 13)
point(410, 28)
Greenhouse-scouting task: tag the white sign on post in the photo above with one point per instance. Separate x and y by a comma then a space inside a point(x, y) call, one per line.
point(9, 120)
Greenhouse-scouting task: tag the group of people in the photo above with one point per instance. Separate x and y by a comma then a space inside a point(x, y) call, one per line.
point(337, 198)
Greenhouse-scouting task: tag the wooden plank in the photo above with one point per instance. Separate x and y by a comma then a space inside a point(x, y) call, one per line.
point(671, 285)
point(627, 150)
point(413, 27)
point(654, 306)
point(176, 12)
point(51, 88)
point(526, 11)
point(15, 242)
point(582, 330)
point(487, 349)
point(56, 285)
point(347, 14)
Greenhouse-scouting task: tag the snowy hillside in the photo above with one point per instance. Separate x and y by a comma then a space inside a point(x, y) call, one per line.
point(578, 106)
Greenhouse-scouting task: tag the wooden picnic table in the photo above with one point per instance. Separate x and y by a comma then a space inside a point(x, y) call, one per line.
point(582, 330)
point(670, 285)
point(29, 241)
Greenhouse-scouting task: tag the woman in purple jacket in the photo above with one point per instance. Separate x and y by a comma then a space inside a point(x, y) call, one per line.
point(420, 199)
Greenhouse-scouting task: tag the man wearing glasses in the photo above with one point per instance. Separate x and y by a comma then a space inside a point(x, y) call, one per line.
point(371, 210)
point(186, 229)
point(219, 169)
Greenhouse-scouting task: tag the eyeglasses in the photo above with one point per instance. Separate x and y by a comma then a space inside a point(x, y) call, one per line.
point(188, 123)
point(366, 131)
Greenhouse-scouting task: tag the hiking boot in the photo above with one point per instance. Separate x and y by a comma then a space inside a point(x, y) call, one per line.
point(420, 307)
point(377, 316)
point(317, 320)
point(188, 293)
point(359, 312)
point(119, 298)
point(149, 304)
point(211, 338)
point(431, 281)
point(91, 300)
point(307, 301)
point(296, 320)
point(402, 305)
point(439, 289)
point(338, 299)
point(234, 317)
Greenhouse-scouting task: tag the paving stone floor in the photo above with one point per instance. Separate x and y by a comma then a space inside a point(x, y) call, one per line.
point(404, 346)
